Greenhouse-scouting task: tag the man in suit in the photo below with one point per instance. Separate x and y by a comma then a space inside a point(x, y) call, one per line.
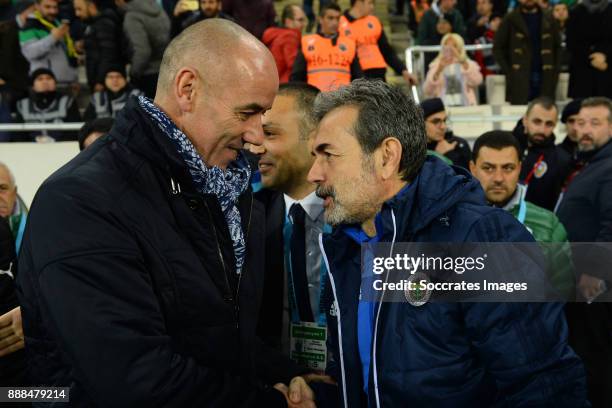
point(294, 220)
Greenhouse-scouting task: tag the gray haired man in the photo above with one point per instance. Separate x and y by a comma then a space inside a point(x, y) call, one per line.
point(378, 186)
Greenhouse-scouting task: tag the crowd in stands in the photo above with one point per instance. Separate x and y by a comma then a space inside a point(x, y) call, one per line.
point(530, 42)
point(562, 192)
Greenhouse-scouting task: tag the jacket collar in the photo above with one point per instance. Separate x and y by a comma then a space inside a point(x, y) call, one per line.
point(134, 129)
point(603, 153)
point(429, 197)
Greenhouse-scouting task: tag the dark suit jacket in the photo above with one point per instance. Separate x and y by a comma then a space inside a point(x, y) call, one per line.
point(269, 327)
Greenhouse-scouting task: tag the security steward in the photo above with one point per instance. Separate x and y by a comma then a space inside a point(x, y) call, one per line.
point(373, 48)
point(117, 91)
point(46, 105)
point(327, 60)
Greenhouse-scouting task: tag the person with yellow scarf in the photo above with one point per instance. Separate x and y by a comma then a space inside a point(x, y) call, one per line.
point(46, 43)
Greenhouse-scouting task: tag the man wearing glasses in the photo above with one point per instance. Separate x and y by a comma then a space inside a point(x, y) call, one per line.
point(440, 139)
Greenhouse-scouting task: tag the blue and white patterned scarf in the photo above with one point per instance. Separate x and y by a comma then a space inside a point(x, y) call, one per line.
point(226, 185)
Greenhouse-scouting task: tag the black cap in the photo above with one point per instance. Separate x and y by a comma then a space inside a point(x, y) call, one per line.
point(40, 71)
point(431, 106)
point(571, 109)
point(116, 68)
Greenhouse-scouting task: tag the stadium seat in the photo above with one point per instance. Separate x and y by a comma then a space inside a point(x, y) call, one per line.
point(470, 129)
point(496, 89)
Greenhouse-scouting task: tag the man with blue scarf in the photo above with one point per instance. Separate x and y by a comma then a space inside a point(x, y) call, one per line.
point(378, 185)
point(141, 266)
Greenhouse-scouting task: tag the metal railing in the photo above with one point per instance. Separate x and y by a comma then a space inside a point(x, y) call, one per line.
point(420, 50)
point(31, 127)
point(75, 126)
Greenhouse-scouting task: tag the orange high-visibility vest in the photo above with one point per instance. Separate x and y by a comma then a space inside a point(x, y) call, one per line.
point(365, 31)
point(328, 66)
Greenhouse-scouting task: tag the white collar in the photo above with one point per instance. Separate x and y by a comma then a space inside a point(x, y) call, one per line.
point(312, 204)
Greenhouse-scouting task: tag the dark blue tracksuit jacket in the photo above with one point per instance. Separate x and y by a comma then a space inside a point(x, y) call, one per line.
point(447, 354)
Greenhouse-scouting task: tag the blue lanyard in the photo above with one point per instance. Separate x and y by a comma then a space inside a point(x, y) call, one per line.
point(20, 231)
point(322, 318)
point(366, 312)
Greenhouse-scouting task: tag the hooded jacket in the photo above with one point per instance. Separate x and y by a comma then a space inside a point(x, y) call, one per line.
point(137, 301)
point(447, 354)
point(147, 28)
point(284, 44)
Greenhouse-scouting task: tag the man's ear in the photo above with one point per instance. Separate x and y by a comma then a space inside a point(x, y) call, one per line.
point(391, 154)
point(185, 88)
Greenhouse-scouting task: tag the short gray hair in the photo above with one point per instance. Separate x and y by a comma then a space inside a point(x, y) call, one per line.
point(384, 111)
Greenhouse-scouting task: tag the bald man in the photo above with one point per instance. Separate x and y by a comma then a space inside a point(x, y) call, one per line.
point(141, 269)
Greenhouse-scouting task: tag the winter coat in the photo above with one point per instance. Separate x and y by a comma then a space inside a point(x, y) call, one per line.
point(588, 33)
point(42, 50)
point(137, 302)
point(103, 45)
point(147, 28)
point(586, 212)
point(547, 229)
point(447, 354)
point(513, 53)
point(472, 78)
point(284, 44)
point(586, 207)
point(14, 68)
point(547, 179)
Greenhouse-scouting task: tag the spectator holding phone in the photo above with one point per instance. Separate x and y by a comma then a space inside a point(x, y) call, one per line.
point(452, 76)
point(46, 43)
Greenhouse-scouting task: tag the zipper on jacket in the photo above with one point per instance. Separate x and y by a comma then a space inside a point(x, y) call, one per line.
point(374, 365)
point(175, 189)
point(227, 284)
point(244, 265)
point(337, 305)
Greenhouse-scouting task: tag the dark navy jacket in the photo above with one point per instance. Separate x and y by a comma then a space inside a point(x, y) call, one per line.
point(129, 293)
point(448, 354)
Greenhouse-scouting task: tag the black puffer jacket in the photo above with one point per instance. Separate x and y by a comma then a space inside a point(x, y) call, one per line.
point(128, 285)
point(104, 41)
point(547, 180)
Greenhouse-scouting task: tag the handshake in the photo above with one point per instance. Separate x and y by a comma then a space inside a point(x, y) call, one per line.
point(298, 393)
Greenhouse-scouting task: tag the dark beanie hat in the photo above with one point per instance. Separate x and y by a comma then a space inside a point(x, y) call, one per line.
point(570, 109)
point(431, 106)
point(116, 68)
point(40, 71)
